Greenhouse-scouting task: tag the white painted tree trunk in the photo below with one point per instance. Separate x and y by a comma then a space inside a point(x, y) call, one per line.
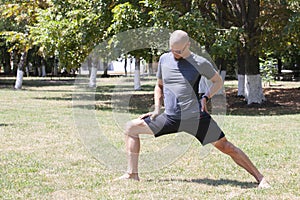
point(39, 71)
point(55, 70)
point(20, 73)
point(137, 76)
point(55, 67)
point(223, 75)
point(241, 85)
point(43, 70)
point(137, 80)
point(19, 81)
point(27, 70)
point(93, 77)
point(253, 89)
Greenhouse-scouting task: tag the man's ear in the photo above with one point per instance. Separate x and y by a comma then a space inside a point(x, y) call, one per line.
point(189, 44)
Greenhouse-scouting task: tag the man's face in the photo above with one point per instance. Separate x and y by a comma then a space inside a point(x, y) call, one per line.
point(179, 50)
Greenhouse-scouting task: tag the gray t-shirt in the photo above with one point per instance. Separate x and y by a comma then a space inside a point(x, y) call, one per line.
point(181, 82)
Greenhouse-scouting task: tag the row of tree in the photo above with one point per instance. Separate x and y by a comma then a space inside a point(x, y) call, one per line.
point(234, 32)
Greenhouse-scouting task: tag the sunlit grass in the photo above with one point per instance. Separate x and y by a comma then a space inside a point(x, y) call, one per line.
point(42, 156)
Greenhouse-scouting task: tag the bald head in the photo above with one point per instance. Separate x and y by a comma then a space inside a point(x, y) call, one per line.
point(178, 37)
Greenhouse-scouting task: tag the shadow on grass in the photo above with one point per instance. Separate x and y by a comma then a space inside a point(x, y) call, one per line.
point(137, 103)
point(143, 102)
point(280, 101)
point(212, 182)
point(115, 88)
point(125, 99)
point(55, 98)
point(4, 125)
point(42, 82)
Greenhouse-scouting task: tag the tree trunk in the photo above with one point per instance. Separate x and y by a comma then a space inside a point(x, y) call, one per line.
point(43, 71)
point(27, 69)
point(39, 69)
point(125, 65)
point(223, 75)
point(105, 66)
point(93, 77)
point(241, 85)
point(19, 80)
point(93, 73)
point(55, 66)
point(279, 65)
point(7, 67)
point(151, 64)
point(137, 78)
point(241, 72)
point(221, 65)
point(253, 84)
point(13, 62)
point(20, 72)
point(253, 89)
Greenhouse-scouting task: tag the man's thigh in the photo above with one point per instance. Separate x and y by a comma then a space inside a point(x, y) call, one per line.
point(163, 125)
point(138, 126)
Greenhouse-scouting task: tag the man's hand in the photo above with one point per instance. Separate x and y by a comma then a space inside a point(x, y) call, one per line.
point(155, 113)
point(203, 105)
point(143, 116)
point(152, 115)
point(216, 86)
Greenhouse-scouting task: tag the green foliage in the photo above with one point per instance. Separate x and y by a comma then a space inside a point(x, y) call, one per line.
point(130, 16)
point(280, 26)
point(16, 17)
point(226, 43)
point(268, 69)
point(69, 30)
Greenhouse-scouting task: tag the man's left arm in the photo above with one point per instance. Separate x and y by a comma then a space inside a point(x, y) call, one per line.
point(217, 84)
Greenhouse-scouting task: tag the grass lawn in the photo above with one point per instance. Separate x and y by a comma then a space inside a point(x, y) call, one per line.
point(42, 156)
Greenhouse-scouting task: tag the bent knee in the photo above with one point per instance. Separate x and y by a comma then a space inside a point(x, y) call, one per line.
point(132, 127)
point(129, 127)
point(226, 147)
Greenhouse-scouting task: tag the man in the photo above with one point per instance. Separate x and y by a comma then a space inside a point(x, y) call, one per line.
point(178, 77)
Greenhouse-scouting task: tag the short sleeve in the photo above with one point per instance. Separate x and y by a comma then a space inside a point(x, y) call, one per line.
point(159, 74)
point(207, 69)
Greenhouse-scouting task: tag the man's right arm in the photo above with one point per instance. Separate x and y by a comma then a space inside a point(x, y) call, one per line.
point(158, 94)
point(158, 98)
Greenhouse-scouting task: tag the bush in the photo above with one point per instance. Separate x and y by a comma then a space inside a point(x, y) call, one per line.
point(268, 69)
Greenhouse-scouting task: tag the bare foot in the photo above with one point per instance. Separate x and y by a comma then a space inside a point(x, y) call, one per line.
point(263, 184)
point(128, 176)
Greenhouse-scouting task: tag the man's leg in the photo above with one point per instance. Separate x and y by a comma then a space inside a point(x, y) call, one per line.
point(241, 159)
point(132, 140)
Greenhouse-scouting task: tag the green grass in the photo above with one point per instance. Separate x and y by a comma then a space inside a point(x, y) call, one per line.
point(42, 156)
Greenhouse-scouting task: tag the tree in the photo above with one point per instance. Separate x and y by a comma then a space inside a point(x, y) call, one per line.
point(129, 16)
point(280, 32)
point(17, 16)
point(71, 29)
point(264, 29)
point(243, 15)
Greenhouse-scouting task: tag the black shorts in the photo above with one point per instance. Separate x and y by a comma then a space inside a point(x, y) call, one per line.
point(205, 129)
